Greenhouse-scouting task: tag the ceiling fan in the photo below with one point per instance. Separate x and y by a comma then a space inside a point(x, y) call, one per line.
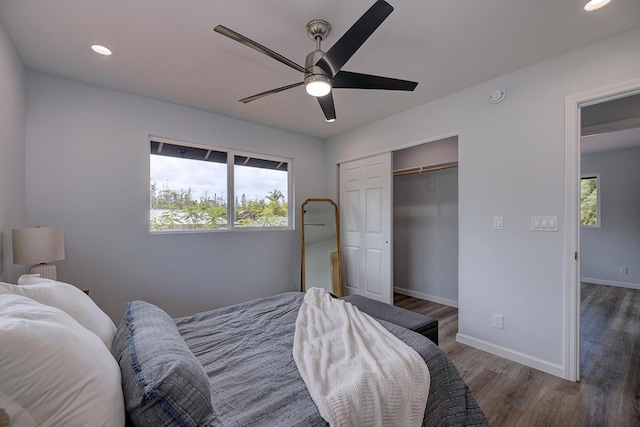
point(323, 70)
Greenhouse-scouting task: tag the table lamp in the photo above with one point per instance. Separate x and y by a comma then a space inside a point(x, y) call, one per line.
point(39, 246)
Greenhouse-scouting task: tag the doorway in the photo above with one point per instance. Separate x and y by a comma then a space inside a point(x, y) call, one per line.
point(425, 221)
point(609, 236)
point(574, 106)
point(366, 201)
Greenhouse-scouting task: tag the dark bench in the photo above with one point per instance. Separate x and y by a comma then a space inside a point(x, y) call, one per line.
point(425, 325)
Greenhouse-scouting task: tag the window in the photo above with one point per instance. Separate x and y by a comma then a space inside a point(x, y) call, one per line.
point(590, 201)
point(191, 186)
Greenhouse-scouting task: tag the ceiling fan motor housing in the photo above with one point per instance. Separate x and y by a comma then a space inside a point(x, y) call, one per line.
point(312, 70)
point(317, 82)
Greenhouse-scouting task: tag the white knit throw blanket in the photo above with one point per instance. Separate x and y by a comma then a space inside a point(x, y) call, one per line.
point(357, 372)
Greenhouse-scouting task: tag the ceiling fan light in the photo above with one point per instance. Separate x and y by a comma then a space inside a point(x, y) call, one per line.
point(317, 85)
point(596, 4)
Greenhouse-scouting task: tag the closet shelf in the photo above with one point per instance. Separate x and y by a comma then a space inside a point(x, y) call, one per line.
point(424, 169)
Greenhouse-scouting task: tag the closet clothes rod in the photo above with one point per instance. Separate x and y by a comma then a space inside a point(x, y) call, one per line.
point(423, 170)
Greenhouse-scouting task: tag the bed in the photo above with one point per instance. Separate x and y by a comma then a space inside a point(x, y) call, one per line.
point(231, 366)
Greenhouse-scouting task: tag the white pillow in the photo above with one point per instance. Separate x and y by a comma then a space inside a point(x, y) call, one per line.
point(67, 298)
point(53, 371)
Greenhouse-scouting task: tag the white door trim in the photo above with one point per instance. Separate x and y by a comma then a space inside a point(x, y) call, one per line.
point(573, 103)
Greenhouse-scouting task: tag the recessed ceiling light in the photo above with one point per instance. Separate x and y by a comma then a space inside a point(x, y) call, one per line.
point(102, 50)
point(596, 4)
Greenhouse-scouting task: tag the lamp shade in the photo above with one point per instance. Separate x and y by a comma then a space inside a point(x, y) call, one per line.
point(36, 245)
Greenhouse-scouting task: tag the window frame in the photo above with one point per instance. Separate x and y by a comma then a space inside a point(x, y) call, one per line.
point(230, 191)
point(595, 176)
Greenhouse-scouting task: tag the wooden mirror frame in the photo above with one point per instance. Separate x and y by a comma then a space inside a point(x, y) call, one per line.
point(336, 272)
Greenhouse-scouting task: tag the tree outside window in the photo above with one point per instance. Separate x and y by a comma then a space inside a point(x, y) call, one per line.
point(190, 187)
point(589, 201)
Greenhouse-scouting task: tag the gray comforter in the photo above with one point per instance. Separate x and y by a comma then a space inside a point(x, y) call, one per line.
point(246, 351)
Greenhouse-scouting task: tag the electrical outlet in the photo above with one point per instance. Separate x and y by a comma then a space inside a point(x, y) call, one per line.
point(624, 270)
point(498, 321)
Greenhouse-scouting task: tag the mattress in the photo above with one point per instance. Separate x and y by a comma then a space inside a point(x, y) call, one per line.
point(246, 351)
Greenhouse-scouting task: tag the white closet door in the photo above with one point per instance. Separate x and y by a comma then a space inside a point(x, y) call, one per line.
point(365, 223)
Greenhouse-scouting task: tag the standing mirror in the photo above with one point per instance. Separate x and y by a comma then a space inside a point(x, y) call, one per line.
point(321, 246)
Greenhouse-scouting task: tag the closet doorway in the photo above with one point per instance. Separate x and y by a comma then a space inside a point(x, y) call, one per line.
point(425, 221)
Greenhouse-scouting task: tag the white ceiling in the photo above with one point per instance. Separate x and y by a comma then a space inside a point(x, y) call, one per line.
point(610, 141)
point(166, 49)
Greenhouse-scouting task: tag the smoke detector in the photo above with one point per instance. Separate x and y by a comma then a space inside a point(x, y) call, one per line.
point(496, 95)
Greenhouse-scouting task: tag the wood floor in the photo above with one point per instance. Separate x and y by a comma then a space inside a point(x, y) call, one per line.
point(514, 395)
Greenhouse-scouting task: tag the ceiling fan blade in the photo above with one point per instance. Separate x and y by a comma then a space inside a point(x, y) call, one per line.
point(269, 92)
point(349, 80)
point(329, 109)
point(257, 46)
point(350, 42)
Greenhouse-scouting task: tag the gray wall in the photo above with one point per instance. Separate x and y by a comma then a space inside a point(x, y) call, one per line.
point(12, 149)
point(511, 166)
point(616, 242)
point(88, 171)
point(425, 236)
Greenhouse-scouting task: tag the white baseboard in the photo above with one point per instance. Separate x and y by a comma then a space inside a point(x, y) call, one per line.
point(610, 283)
point(426, 297)
point(515, 356)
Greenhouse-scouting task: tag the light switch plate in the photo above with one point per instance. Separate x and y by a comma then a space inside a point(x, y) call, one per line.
point(544, 223)
point(498, 223)
point(431, 184)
